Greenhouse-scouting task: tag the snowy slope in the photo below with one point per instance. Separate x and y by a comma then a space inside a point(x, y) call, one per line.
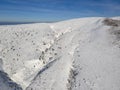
point(78, 54)
point(21, 48)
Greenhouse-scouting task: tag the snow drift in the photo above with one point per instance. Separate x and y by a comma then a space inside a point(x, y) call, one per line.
point(78, 54)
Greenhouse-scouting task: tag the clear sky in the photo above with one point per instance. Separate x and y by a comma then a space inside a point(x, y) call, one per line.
point(55, 10)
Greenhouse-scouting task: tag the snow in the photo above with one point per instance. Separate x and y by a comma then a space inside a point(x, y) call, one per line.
point(78, 54)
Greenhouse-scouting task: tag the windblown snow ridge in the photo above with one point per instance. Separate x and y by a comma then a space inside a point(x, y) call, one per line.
point(6, 82)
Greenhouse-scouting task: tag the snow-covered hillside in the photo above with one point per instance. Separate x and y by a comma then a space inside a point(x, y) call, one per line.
point(78, 54)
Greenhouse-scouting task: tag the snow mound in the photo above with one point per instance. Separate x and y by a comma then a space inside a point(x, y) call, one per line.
point(78, 54)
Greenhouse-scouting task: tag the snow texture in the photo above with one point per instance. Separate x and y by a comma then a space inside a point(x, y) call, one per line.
point(77, 54)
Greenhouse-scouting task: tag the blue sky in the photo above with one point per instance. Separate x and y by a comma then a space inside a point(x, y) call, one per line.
point(55, 10)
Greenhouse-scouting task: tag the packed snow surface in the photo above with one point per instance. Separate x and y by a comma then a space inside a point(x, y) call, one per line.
point(77, 54)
